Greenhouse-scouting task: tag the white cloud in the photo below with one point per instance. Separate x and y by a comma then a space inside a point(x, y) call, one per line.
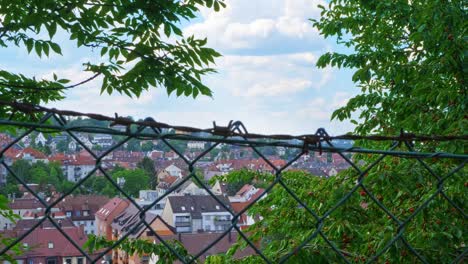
point(280, 87)
point(273, 75)
point(259, 24)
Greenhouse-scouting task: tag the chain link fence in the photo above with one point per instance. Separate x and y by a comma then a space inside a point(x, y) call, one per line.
point(51, 121)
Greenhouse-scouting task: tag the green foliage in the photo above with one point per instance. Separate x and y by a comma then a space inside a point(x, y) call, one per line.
point(47, 175)
point(7, 213)
point(62, 146)
point(358, 228)
point(147, 165)
point(140, 43)
point(135, 180)
point(147, 146)
point(407, 56)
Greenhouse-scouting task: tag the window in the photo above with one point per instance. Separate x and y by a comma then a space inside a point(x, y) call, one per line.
point(80, 261)
point(51, 245)
point(85, 213)
point(78, 213)
point(31, 261)
point(25, 245)
point(51, 261)
point(69, 213)
point(92, 223)
point(68, 261)
point(207, 228)
point(217, 207)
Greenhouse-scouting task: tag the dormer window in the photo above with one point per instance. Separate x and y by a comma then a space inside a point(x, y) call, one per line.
point(85, 213)
point(69, 213)
point(183, 208)
point(51, 245)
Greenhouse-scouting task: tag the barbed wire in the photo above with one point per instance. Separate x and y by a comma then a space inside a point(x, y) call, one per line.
point(226, 130)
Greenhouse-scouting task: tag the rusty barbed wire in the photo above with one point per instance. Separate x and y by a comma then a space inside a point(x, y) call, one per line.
point(222, 130)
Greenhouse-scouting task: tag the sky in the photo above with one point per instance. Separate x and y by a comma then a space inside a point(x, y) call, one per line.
point(266, 78)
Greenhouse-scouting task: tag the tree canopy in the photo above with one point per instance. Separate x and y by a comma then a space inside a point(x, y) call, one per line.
point(140, 43)
point(408, 58)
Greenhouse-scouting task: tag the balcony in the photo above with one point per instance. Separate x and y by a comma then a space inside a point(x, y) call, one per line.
point(183, 223)
point(222, 222)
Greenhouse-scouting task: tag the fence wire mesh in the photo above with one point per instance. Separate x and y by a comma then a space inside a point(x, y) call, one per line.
point(235, 134)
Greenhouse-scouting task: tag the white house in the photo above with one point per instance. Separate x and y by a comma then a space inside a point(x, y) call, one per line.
point(280, 151)
point(173, 170)
point(104, 141)
point(147, 197)
point(40, 139)
point(78, 168)
point(196, 145)
point(197, 213)
point(188, 187)
point(72, 145)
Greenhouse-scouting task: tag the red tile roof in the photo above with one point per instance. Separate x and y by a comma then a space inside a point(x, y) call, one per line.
point(27, 224)
point(59, 157)
point(18, 204)
point(109, 207)
point(33, 152)
point(38, 241)
point(244, 189)
point(82, 160)
point(91, 203)
point(195, 243)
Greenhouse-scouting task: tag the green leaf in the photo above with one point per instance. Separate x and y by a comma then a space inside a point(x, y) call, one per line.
point(52, 29)
point(29, 44)
point(104, 51)
point(56, 48)
point(45, 48)
point(38, 48)
point(216, 6)
point(167, 29)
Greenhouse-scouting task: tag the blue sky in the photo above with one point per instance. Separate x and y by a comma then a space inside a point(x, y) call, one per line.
point(266, 78)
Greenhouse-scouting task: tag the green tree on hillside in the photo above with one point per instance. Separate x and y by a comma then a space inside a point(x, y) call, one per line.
point(148, 166)
point(135, 180)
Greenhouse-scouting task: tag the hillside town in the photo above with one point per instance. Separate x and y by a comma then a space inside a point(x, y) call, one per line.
point(193, 208)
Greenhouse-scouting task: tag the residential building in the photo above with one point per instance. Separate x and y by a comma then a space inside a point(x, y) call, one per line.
point(196, 145)
point(156, 154)
point(194, 243)
point(31, 155)
point(40, 139)
point(129, 221)
point(147, 197)
point(195, 213)
point(79, 167)
point(242, 199)
point(81, 210)
point(106, 214)
point(173, 170)
point(103, 140)
point(188, 187)
point(47, 245)
point(21, 207)
point(219, 188)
